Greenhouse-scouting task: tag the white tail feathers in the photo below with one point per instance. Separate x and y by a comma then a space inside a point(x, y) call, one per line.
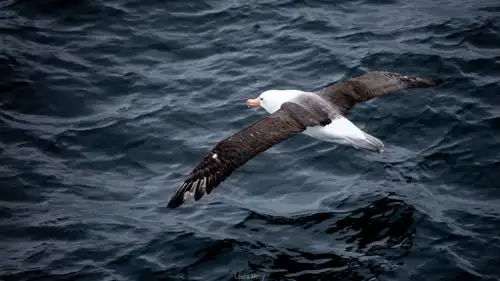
point(343, 131)
point(369, 143)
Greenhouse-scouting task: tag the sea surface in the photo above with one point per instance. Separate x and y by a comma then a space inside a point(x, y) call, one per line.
point(106, 106)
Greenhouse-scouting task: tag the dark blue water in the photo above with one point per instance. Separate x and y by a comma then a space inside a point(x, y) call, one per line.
point(106, 106)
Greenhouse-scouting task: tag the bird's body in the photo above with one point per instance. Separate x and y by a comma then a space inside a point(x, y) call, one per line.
point(321, 115)
point(341, 130)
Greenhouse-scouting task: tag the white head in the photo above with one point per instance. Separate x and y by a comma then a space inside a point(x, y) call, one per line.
point(272, 100)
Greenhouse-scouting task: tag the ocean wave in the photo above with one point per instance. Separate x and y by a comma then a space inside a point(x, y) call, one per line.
point(105, 108)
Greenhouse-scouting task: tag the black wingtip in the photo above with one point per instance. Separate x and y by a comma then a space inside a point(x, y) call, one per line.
point(431, 82)
point(175, 202)
point(189, 188)
point(437, 82)
point(419, 82)
point(179, 197)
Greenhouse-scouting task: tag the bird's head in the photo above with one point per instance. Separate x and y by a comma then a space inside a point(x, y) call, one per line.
point(272, 100)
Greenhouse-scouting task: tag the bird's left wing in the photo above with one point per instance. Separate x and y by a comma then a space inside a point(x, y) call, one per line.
point(345, 94)
point(236, 150)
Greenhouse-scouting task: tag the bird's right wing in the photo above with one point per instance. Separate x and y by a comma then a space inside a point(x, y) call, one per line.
point(236, 150)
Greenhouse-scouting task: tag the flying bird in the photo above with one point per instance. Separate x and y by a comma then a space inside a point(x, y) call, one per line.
point(318, 114)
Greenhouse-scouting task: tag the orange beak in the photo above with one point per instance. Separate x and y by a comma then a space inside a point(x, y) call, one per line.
point(253, 102)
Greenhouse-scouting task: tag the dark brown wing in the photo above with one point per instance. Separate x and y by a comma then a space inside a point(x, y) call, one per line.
point(345, 94)
point(236, 150)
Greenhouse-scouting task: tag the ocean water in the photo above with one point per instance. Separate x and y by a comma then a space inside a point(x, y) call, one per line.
point(106, 106)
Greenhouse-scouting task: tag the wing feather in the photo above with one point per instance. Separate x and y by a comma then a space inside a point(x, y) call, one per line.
point(234, 151)
point(345, 94)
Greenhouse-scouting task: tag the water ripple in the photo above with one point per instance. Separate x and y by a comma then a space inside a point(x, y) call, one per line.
point(106, 106)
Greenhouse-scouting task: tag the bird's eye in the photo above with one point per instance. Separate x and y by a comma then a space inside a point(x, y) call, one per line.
point(261, 99)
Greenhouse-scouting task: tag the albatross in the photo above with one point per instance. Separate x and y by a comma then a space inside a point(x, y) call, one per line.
point(319, 114)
